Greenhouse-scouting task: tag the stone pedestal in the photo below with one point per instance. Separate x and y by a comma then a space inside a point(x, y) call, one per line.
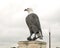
point(31, 44)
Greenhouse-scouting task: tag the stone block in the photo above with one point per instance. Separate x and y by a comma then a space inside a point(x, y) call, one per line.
point(31, 44)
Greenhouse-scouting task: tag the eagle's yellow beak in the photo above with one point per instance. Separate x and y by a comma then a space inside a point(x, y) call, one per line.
point(25, 10)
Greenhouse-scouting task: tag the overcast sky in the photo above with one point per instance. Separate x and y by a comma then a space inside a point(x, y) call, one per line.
point(13, 27)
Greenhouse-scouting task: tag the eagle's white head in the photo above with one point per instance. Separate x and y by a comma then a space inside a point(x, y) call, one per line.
point(29, 10)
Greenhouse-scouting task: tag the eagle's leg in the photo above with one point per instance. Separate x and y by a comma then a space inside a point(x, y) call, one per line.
point(40, 35)
point(29, 38)
point(35, 36)
point(37, 33)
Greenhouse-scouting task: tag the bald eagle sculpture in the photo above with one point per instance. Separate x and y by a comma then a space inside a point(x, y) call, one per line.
point(33, 23)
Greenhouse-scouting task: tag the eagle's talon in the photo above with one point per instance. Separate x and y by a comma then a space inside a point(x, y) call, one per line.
point(34, 38)
point(29, 39)
point(40, 37)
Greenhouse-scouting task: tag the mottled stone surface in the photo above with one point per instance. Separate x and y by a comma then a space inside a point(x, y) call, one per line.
point(31, 44)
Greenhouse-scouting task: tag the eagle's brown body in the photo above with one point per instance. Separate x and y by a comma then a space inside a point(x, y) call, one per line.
point(33, 23)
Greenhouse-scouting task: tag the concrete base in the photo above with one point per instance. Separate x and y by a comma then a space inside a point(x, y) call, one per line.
point(31, 44)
